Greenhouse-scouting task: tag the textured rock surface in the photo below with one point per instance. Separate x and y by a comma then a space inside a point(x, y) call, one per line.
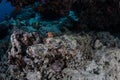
point(68, 57)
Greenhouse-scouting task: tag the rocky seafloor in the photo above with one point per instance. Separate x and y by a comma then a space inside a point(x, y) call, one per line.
point(83, 56)
point(71, 52)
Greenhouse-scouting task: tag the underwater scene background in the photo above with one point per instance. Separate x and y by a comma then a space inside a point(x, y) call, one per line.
point(59, 40)
point(5, 9)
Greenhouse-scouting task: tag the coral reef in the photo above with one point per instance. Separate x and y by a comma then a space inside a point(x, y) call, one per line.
point(60, 40)
point(68, 57)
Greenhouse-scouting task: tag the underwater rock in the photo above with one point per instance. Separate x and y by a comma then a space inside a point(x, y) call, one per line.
point(98, 44)
point(20, 39)
point(65, 57)
point(34, 76)
point(46, 55)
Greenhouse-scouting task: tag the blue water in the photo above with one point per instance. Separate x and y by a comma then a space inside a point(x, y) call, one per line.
point(5, 9)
